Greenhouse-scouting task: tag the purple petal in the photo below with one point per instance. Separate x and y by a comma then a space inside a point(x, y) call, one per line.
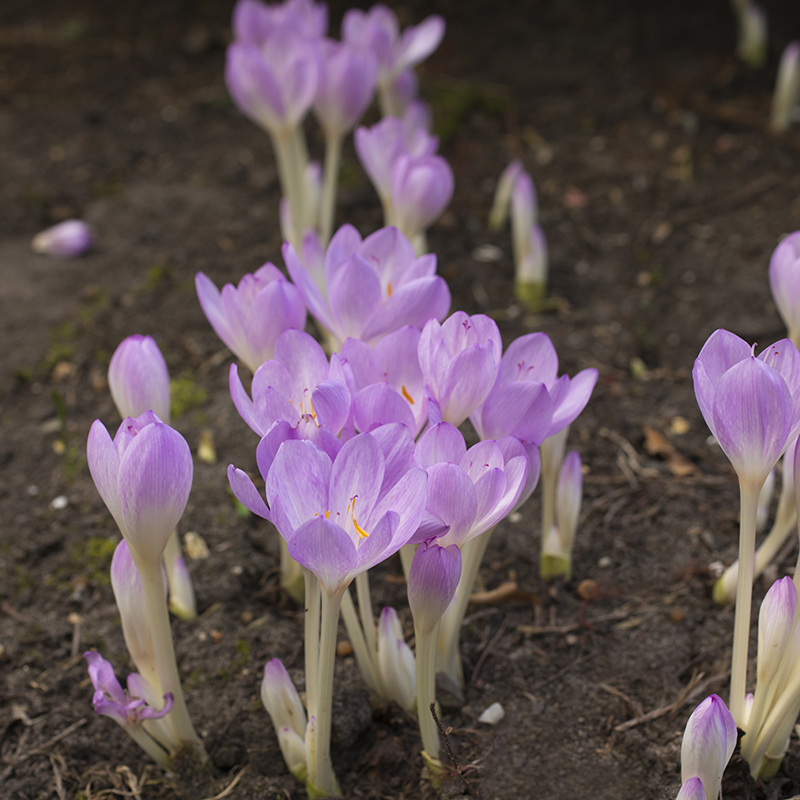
point(357, 473)
point(452, 498)
point(244, 405)
point(138, 378)
point(246, 493)
point(103, 460)
point(442, 442)
point(522, 409)
point(379, 404)
point(354, 295)
point(432, 582)
point(323, 547)
point(331, 403)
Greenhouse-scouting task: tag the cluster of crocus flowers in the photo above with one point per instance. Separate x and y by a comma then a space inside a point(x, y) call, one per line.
point(515, 189)
point(752, 406)
point(144, 477)
point(281, 66)
point(347, 485)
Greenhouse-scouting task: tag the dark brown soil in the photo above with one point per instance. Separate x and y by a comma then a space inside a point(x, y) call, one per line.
point(662, 196)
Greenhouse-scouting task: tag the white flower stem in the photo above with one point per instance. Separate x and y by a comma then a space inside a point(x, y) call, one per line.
point(551, 453)
point(365, 608)
point(333, 155)
point(312, 640)
point(406, 557)
point(744, 595)
point(450, 625)
point(426, 688)
point(785, 523)
point(291, 181)
point(365, 659)
point(320, 768)
point(164, 653)
point(149, 745)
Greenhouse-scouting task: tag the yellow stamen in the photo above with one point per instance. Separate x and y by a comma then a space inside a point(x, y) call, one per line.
point(407, 395)
point(313, 413)
point(359, 530)
point(327, 515)
point(389, 289)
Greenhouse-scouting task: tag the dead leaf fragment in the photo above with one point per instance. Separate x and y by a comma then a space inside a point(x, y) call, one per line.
point(656, 444)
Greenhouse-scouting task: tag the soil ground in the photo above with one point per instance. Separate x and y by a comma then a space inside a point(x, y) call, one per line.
point(662, 195)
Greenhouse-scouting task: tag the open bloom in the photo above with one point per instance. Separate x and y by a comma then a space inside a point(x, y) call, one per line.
point(130, 709)
point(335, 518)
point(751, 405)
point(144, 477)
point(251, 316)
point(469, 491)
point(138, 378)
point(366, 289)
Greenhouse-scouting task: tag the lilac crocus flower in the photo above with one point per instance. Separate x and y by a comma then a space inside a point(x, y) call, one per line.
point(330, 512)
point(432, 582)
point(251, 316)
point(296, 395)
point(279, 697)
point(776, 622)
point(274, 82)
point(380, 146)
point(420, 190)
point(378, 31)
point(346, 86)
point(66, 240)
point(129, 708)
point(469, 491)
point(387, 380)
point(518, 406)
point(255, 22)
point(751, 405)
point(708, 743)
point(367, 289)
point(144, 477)
point(459, 360)
point(784, 280)
point(138, 378)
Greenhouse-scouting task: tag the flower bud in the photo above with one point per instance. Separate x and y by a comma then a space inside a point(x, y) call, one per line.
point(138, 378)
point(787, 88)
point(396, 661)
point(281, 700)
point(66, 240)
point(692, 790)
point(784, 281)
point(708, 742)
point(776, 621)
point(432, 582)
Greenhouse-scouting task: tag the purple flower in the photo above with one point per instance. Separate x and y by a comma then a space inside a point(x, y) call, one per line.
point(367, 289)
point(274, 82)
point(255, 22)
point(251, 316)
point(432, 582)
point(297, 395)
point(784, 280)
point(130, 709)
point(528, 399)
point(144, 477)
point(387, 380)
point(333, 514)
point(138, 378)
point(378, 31)
point(380, 147)
point(420, 190)
point(751, 405)
point(65, 240)
point(708, 743)
point(346, 86)
point(469, 491)
point(459, 360)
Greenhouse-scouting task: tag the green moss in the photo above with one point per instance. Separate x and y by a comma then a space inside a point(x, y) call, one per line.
point(186, 394)
point(195, 678)
point(94, 557)
point(242, 653)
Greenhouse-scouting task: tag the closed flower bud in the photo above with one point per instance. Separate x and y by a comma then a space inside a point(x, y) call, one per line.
point(396, 661)
point(776, 621)
point(138, 378)
point(66, 240)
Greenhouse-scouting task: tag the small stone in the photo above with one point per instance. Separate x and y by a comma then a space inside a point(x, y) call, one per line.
point(587, 589)
point(604, 562)
point(343, 648)
point(571, 639)
point(195, 546)
point(247, 617)
point(679, 426)
point(493, 714)
point(216, 637)
point(59, 503)
point(661, 233)
point(487, 254)
point(676, 614)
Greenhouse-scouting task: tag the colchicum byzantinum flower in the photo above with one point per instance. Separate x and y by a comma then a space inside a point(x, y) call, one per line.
point(752, 406)
point(68, 239)
point(139, 381)
point(787, 88)
point(339, 518)
point(559, 540)
point(144, 477)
